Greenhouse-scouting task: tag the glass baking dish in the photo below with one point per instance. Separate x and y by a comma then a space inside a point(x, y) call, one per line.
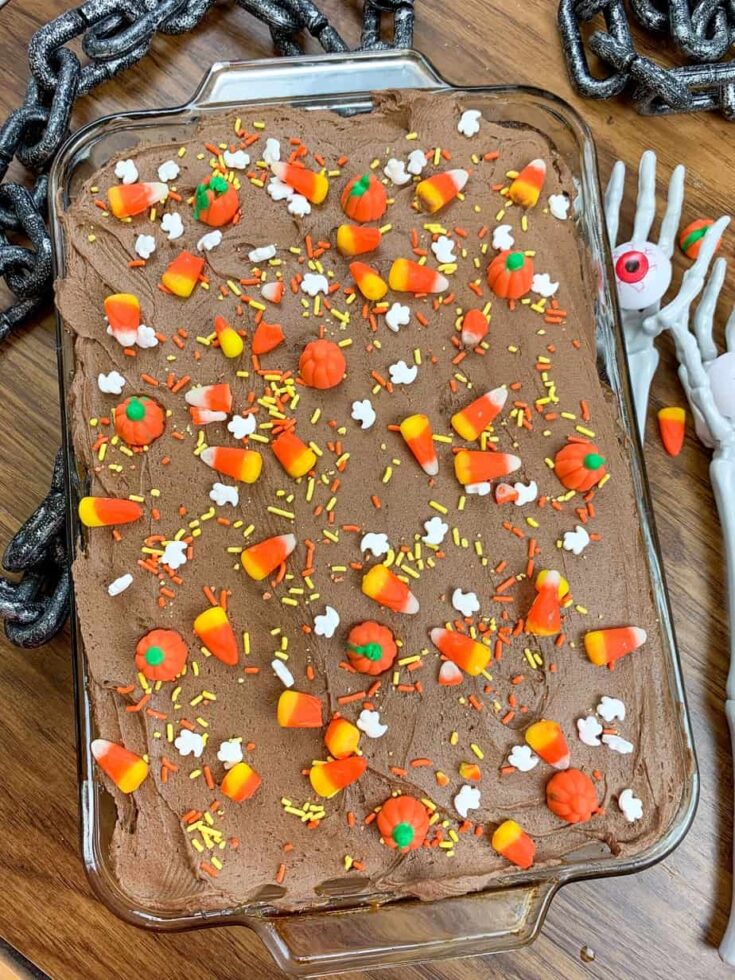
point(360, 932)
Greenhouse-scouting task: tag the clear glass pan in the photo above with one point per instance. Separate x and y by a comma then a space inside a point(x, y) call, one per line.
point(362, 933)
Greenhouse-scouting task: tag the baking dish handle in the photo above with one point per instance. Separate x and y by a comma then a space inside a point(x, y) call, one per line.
point(319, 943)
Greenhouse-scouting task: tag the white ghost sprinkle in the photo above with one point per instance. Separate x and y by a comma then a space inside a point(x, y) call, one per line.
point(189, 743)
point(111, 384)
point(364, 413)
point(465, 603)
point(618, 744)
point(397, 316)
point(262, 254)
point(522, 758)
point(589, 730)
point(120, 584)
point(299, 206)
point(174, 554)
point(395, 171)
point(377, 544)
point(241, 426)
point(611, 709)
point(443, 249)
point(630, 805)
point(169, 170)
point(145, 246)
point(209, 241)
point(126, 171)
point(230, 753)
point(272, 151)
point(278, 191)
point(282, 672)
point(238, 160)
point(221, 494)
point(467, 799)
point(402, 374)
point(416, 162)
point(469, 122)
point(327, 623)
point(559, 206)
point(172, 224)
point(146, 337)
point(576, 541)
point(436, 530)
point(503, 238)
point(370, 723)
point(479, 489)
point(312, 284)
point(527, 492)
point(543, 286)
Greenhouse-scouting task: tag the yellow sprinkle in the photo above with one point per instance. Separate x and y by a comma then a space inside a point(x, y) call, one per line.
point(585, 432)
point(412, 136)
point(477, 751)
point(438, 506)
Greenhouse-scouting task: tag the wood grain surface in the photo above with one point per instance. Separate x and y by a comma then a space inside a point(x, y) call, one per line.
point(665, 922)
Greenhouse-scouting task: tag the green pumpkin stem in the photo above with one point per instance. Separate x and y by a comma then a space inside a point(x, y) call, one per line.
point(593, 461)
point(403, 835)
point(360, 186)
point(371, 651)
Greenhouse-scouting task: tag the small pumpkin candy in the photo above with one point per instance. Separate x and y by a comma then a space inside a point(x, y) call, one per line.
point(510, 274)
point(139, 420)
point(571, 796)
point(322, 364)
point(579, 466)
point(215, 201)
point(403, 822)
point(364, 198)
point(160, 654)
point(371, 647)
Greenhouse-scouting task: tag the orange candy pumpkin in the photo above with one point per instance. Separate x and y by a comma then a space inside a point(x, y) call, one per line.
point(570, 795)
point(510, 275)
point(215, 201)
point(403, 822)
point(322, 364)
point(139, 420)
point(161, 654)
point(364, 198)
point(371, 648)
point(579, 466)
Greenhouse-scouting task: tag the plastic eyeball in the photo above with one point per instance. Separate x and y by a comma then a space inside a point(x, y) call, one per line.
point(721, 374)
point(642, 274)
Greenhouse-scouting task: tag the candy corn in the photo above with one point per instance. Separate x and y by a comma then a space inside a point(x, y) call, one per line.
point(544, 616)
point(240, 782)
point(214, 630)
point(273, 291)
point(313, 186)
point(416, 430)
point(230, 342)
point(294, 455)
point(127, 200)
point(123, 317)
point(450, 674)
point(440, 189)
point(341, 738)
point(260, 559)
point(526, 188)
point(108, 511)
point(475, 466)
point(672, 428)
point(183, 274)
point(505, 494)
point(328, 778)
point(471, 421)
point(356, 240)
point(267, 337)
point(475, 326)
point(406, 276)
point(126, 769)
point(368, 281)
point(604, 647)
point(298, 710)
point(547, 740)
point(241, 464)
point(214, 398)
point(461, 649)
point(514, 844)
point(384, 587)
point(470, 771)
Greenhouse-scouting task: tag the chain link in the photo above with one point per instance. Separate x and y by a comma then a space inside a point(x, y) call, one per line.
point(114, 36)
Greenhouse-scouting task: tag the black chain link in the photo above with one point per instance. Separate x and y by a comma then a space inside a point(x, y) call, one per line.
point(114, 34)
point(702, 30)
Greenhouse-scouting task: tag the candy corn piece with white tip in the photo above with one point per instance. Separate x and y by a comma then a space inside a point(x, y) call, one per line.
point(241, 464)
point(213, 398)
point(203, 416)
point(214, 630)
point(108, 511)
point(473, 419)
point(476, 466)
point(384, 587)
point(526, 188)
point(311, 185)
point(438, 190)
point(123, 317)
point(672, 428)
point(127, 200)
point(299, 710)
point(328, 778)
point(368, 281)
point(406, 276)
point(472, 657)
point(341, 738)
point(604, 647)
point(475, 326)
point(547, 740)
point(505, 494)
point(356, 240)
point(512, 842)
point(182, 274)
point(416, 430)
point(230, 342)
point(240, 782)
point(449, 674)
point(544, 616)
point(260, 559)
point(294, 455)
point(126, 769)
point(273, 291)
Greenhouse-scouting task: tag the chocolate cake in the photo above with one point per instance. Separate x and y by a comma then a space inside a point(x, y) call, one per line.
point(360, 538)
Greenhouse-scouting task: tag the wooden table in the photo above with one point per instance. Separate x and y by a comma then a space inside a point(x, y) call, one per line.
point(665, 922)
